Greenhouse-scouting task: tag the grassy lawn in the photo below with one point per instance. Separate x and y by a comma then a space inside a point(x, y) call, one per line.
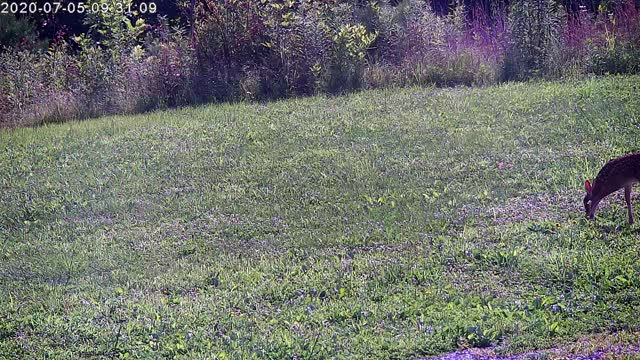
point(387, 224)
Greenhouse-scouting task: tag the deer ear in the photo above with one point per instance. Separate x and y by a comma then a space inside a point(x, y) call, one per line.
point(587, 186)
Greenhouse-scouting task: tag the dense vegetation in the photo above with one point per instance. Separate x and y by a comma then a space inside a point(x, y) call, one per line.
point(382, 224)
point(246, 49)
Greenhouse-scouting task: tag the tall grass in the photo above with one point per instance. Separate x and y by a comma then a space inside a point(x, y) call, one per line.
point(264, 50)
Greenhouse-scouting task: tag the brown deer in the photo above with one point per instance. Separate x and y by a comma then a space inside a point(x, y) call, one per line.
point(622, 172)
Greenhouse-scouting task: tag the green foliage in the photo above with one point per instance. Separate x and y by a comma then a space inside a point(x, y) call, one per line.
point(352, 41)
point(348, 57)
point(105, 51)
point(536, 27)
point(271, 49)
point(28, 78)
point(613, 58)
point(19, 82)
point(298, 49)
point(113, 29)
point(230, 37)
point(114, 70)
point(18, 33)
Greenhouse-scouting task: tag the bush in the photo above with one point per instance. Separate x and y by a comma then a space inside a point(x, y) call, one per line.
point(604, 44)
point(112, 72)
point(620, 59)
point(245, 49)
point(18, 33)
point(348, 58)
point(163, 71)
point(229, 39)
point(299, 45)
point(535, 27)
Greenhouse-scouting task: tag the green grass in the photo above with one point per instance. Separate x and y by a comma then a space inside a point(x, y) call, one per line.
point(384, 224)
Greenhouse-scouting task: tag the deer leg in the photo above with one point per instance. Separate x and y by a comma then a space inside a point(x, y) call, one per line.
point(627, 197)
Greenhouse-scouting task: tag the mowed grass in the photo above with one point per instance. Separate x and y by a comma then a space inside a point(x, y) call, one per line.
point(384, 224)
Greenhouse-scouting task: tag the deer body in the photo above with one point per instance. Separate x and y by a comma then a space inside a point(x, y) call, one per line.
point(619, 173)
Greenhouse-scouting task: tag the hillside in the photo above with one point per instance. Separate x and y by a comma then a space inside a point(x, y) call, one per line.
point(383, 224)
